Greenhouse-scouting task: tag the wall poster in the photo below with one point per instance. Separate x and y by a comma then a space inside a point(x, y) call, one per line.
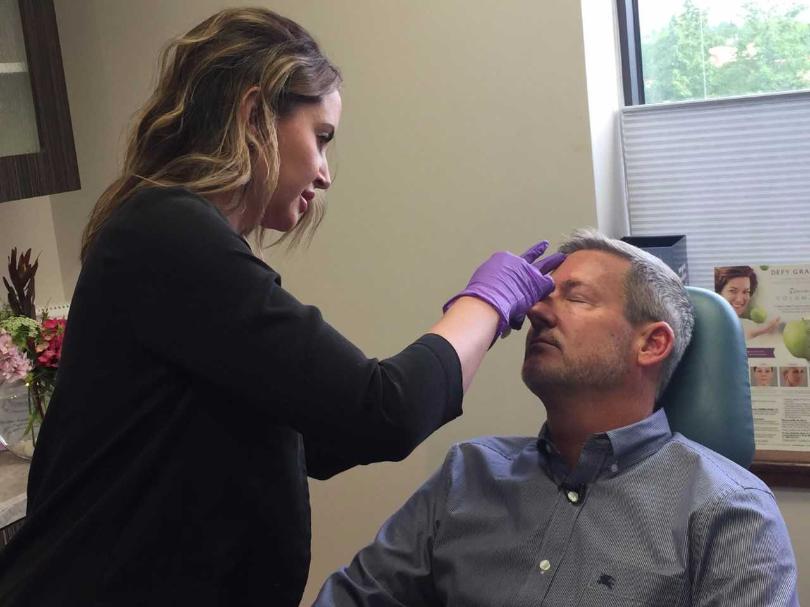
point(773, 305)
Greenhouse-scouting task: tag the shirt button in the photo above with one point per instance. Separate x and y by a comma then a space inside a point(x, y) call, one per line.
point(573, 497)
point(544, 565)
point(614, 468)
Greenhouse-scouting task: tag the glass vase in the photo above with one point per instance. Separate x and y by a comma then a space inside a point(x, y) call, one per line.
point(17, 430)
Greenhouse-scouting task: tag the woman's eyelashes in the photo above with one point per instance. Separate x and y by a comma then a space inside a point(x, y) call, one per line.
point(324, 137)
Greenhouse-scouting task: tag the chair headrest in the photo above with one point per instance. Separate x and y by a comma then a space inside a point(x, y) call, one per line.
point(709, 397)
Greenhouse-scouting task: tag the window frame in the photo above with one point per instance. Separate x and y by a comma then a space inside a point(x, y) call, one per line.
point(630, 47)
point(54, 168)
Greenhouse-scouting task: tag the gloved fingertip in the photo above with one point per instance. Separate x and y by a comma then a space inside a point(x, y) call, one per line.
point(535, 251)
point(547, 264)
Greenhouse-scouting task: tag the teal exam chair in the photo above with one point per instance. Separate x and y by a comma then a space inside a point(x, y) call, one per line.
point(709, 397)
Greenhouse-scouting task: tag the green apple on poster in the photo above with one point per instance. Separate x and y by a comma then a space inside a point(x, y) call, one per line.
point(797, 338)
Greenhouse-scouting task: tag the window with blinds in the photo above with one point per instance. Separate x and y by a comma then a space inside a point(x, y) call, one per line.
point(733, 175)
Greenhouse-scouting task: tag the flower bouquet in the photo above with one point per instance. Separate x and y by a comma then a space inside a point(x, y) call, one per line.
point(30, 350)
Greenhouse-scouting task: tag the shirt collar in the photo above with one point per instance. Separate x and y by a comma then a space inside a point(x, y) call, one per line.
point(635, 442)
point(607, 452)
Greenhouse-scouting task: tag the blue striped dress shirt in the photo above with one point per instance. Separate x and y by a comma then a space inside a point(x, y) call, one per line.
point(647, 517)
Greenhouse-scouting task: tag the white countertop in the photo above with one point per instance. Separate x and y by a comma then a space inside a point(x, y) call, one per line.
point(13, 481)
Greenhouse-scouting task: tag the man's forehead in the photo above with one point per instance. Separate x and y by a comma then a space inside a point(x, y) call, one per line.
point(592, 267)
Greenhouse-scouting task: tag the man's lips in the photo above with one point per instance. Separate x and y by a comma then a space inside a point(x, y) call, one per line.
point(544, 340)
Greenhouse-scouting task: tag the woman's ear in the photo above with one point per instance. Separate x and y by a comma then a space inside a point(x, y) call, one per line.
point(247, 106)
point(657, 340)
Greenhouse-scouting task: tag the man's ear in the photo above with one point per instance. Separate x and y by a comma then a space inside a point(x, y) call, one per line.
point(248, 104)
point(656, 342)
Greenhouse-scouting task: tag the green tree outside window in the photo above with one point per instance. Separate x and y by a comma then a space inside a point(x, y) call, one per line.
point(768, 51)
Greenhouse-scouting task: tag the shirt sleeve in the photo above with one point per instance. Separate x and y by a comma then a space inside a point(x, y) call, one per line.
point(742, 555)
point(396, 569)
point(202, 302)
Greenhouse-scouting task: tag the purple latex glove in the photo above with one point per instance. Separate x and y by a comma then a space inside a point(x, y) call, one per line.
point(512, 284)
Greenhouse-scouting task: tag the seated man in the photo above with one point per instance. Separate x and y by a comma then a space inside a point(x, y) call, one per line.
point(607, 506)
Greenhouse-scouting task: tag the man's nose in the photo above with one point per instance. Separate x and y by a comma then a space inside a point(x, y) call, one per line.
point(542, 313)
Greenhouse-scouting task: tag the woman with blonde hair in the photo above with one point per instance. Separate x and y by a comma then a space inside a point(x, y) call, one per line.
point(195, 394)
point(794, 377)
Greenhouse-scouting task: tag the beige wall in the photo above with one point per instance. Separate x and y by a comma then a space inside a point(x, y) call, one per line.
point(28, 224)
point(465, 130)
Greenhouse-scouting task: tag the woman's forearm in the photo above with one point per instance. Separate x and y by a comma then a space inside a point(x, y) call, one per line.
point(469, 325)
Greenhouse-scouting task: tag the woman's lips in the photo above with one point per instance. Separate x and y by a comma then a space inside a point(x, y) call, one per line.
point(304, 199)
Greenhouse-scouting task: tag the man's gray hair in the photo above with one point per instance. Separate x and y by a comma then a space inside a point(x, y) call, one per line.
point(652, 292)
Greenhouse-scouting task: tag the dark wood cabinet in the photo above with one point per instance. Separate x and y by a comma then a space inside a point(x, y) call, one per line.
point(37, 153)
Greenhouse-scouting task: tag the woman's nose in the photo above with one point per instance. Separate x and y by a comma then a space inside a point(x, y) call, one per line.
point(323, 179)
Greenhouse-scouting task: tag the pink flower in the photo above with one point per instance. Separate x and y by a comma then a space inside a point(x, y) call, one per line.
point(14, 364)
point(50, 346)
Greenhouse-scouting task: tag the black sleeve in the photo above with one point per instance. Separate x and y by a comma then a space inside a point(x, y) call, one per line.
point(426, 371)
point(200, 299)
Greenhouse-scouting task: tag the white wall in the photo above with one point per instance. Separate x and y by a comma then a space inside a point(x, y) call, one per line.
point(466, 129)
point(605, 97)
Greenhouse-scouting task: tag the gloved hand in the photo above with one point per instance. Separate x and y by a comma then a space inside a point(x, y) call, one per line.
point(512, 284)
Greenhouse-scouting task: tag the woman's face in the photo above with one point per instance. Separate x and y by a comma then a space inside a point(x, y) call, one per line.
point(793, 377)
point(302, 140)
point(763, 376)
point(738, 293)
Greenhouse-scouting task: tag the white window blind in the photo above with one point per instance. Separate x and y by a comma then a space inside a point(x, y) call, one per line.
point(733, 175)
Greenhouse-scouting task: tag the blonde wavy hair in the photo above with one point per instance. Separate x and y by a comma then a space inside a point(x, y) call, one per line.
point(189, 133)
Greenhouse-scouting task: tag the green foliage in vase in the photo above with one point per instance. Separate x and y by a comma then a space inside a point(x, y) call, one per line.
point(5, 313)
point(22, 329)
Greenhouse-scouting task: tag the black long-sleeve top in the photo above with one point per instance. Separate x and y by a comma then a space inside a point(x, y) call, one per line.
point(193, 398)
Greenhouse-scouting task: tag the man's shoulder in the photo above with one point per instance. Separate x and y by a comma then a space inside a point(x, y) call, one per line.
point(492, 457)
point(498, 447)
point(711, 467)
point(474, 468)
